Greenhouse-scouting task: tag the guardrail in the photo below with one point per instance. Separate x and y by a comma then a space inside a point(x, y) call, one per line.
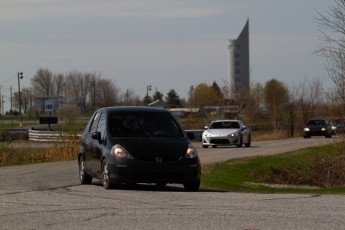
point(49, 136)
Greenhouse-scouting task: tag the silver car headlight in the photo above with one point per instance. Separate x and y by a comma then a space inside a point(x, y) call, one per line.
point(306, 129)
point(191, 152)
point(121, 152)
point(233, 134)
point(206, 134)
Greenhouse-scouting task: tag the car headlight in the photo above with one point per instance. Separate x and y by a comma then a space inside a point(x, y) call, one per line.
point(191, 152)
point(233, 134)
point(306, 129)
point(121, 152)
point(323, 129)
point(206, 134)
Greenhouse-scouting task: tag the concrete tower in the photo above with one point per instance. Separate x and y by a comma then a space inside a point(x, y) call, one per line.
point(238, 63)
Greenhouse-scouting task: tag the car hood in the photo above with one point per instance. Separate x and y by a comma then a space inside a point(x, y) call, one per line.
point(169, 149)
point(221, 132)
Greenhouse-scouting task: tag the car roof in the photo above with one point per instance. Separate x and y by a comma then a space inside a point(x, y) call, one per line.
point(226, 120)
point(318, 119)
point(132, 109)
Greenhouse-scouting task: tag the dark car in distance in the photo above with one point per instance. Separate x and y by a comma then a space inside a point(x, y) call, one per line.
point(318, 127)
point(137, 144)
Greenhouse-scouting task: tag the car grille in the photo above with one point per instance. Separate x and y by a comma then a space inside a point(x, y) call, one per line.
point(220, 141)
point(164, 159)
point(161, 175)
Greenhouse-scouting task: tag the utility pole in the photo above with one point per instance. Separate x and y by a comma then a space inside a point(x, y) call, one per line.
point(148, 88)
point(11, 111)
point(20, 76)
point(1, 101)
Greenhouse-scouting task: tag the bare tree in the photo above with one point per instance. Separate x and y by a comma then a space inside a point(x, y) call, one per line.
point(292, 109)
point(130, 98)
point(59, 83)
point(107, 93)
point(79, 86)
point(310, 98)
point(42, 82)
point(276, 97)
point(255, 101)
point(332, 46)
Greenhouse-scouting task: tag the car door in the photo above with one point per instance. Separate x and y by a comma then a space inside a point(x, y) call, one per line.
point(89, 144)
point(98, 145)
point(245, 132)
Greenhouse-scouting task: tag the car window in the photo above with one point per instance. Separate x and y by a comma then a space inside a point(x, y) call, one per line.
point(93, 126)
point(101, 124)
point(317, 123)
point(144, 124)
point(225, 125)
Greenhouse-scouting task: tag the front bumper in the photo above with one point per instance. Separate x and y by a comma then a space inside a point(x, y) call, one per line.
point(138, 171)
point(317, 132)
point(223, 140)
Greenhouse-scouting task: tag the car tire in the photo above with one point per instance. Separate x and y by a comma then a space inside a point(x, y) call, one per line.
point(205, 146)
point(192, 186)
point(248, 143)
point(105, 176)
point(161, 185)
point(241, 142)
point(84, 177)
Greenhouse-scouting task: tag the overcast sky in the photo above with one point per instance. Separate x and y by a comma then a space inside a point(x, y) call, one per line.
point(169, 44)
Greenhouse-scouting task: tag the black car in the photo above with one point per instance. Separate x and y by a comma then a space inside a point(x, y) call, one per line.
point(133, 144)
point(318, 127)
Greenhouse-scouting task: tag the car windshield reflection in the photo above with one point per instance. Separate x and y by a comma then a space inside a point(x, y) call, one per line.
point(225, 125)
point(143, 125)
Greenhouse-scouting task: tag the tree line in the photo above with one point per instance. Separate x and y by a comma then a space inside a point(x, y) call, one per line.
point(284, 107)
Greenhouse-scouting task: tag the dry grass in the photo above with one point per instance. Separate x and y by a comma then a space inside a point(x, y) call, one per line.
point(328, 170)
point(268, 135)
point(64, 150)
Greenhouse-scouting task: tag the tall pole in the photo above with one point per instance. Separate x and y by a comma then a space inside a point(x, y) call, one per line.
point(11, 111)
point(1, 101)
point(148, 88)
point(20, 76)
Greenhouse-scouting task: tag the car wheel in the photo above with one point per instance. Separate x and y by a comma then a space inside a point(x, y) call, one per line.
point(241, 142)
point(248, 143)
point(105, 177)
point(205, 146)
point(161, 185)
point(84, 177)
point(192, 186)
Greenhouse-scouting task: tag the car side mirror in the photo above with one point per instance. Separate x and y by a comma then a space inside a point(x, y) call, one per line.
point(96, 136)
point(191, 135)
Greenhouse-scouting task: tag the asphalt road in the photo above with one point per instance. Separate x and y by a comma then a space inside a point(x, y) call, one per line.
point(48, 196)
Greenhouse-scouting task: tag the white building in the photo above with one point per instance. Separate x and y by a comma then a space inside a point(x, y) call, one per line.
point(238, 63)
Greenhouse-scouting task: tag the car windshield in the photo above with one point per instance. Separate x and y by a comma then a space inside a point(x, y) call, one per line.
point(143, 124)
point(316, 123)
point(225, 125)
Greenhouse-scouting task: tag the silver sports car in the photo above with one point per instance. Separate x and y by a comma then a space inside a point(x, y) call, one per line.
point(226, 132)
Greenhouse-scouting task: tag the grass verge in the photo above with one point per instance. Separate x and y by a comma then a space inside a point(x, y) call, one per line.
point(62, 151)
point(319, 170)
